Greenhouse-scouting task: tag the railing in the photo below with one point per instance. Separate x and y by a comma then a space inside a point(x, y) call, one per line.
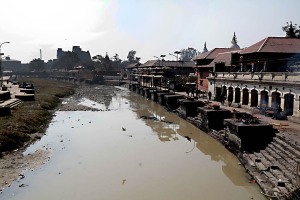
point(266, 76)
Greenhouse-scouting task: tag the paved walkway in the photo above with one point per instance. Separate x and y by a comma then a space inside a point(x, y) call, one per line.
point(13, 89)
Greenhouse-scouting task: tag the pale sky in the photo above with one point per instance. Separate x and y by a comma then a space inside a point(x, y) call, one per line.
point(150, 27)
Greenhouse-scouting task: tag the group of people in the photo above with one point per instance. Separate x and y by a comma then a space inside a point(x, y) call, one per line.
point(192, 91)
point(195, 92)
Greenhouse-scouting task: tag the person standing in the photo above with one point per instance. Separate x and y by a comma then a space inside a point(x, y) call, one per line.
point(187, 90)
point(209, 95)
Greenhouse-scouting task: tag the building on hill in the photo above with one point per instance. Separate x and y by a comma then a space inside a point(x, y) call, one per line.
point(84, 56)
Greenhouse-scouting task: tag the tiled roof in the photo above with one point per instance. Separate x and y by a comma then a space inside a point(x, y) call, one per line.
point(275, 45)
point(167, 63)
point(212, 54)
point(224, 57)
point(132, 65)
point(150, 63)
point(10, 60)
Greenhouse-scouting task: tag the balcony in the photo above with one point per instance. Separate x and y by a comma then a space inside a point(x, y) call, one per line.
point(280, 77)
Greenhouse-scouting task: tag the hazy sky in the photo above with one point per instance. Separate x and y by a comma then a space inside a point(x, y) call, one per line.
point(151, 27)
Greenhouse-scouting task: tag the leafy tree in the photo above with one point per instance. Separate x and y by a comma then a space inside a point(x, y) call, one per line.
point(124, 63)
point(98, 62)
point(188, 54)
point(291, 30)
point(116, 57)
point(97, 58)
point(106, 64)
point(138, 59)
point(132, 58)
point(116, 62)
point(102, 63)
point(37, 65)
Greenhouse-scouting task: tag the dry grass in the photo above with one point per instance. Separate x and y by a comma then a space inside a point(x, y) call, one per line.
point(32, 117)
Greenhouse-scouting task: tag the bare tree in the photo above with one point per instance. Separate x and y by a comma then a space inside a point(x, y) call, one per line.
point(188, 54)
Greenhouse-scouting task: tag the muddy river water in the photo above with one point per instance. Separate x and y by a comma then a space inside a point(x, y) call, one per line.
point(134, 150)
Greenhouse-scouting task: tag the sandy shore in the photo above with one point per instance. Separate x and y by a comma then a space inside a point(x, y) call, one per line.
point(13, 164)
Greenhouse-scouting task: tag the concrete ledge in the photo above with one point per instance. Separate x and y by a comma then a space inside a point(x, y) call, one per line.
point(28, 91)
point(25, 97)
point(4, 95)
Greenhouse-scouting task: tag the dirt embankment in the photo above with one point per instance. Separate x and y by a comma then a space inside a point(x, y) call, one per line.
point(29, 121)
point(32, 117)
point(26, 124)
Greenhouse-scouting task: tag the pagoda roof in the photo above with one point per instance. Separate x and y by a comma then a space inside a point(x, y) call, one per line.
point(212, 54)
point(274, 45)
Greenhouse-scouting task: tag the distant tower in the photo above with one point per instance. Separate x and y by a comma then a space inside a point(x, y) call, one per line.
point(204, 48)
point(41, 54)
point(234, 42)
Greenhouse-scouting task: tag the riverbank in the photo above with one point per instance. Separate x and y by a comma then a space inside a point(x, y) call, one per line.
point(27, 124)
point(30, 120)
point(15, 162)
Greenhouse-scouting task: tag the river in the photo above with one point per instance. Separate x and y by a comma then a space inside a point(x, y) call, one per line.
point(132, 150)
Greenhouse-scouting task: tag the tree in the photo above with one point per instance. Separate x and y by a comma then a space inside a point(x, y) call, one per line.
point(131, 57)
point(37, 65)
point(291, 30)
point(188, 54)
point(116, 57)
point(116, 62)
point(98, 61)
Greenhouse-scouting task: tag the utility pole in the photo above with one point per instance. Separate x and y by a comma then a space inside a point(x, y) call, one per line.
point(1, 71)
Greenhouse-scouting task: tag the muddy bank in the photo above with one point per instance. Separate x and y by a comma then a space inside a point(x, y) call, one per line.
point(29, 120)
point(100, 94)
point(13, 163)
point(157, 152)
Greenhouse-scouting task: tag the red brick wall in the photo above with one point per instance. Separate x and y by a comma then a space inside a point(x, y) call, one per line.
point(204, 86)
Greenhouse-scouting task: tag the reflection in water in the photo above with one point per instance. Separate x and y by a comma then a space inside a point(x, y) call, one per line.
point(192, 148)
point(202, 141)
point(118, 154)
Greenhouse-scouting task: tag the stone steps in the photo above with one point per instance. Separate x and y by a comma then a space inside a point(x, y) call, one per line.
point(280, 155)
point(13, 102)
point(289, 158)
point(279, 161)
point(277, 164)
point(294, 152)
